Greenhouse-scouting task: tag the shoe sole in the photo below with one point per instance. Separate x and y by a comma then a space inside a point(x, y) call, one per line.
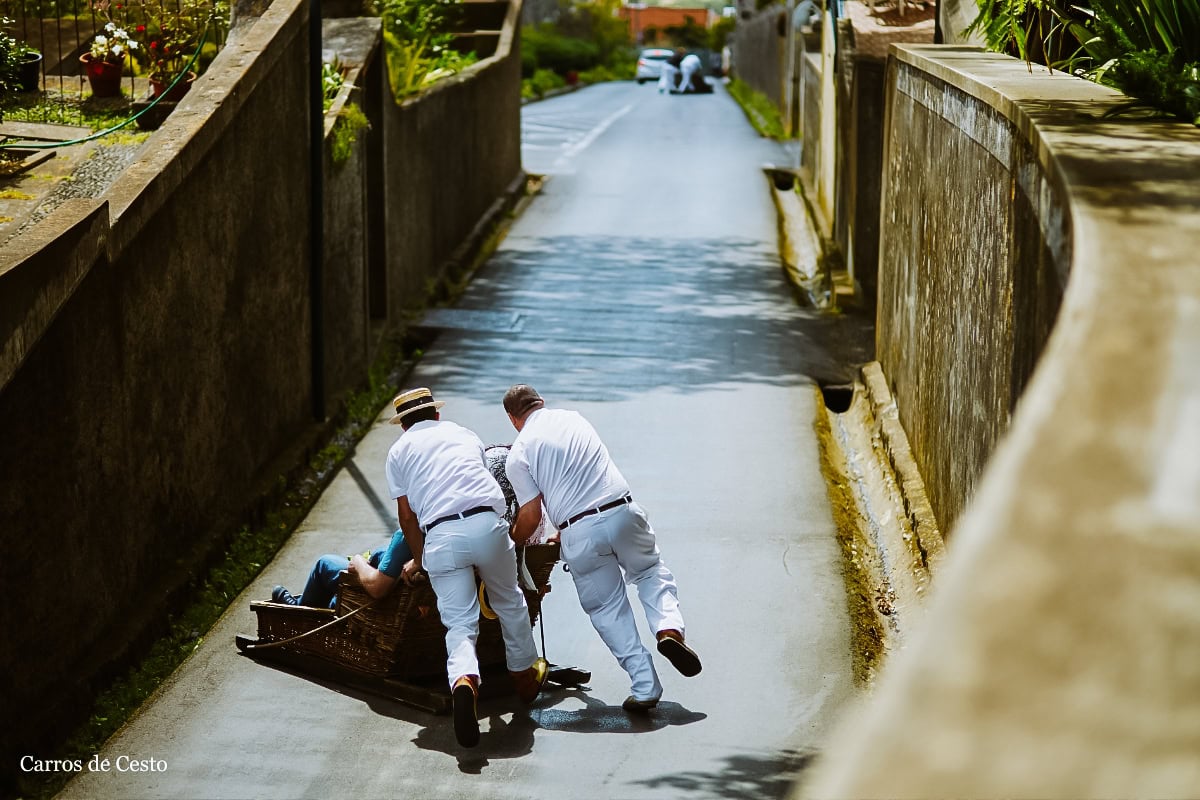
point(466, 720)
point(682, 657)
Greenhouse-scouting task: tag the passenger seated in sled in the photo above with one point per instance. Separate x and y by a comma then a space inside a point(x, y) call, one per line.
point(371, 568)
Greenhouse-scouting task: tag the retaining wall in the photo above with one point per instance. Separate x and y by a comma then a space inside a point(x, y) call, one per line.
point(976, 243)
point(1058, 653)
point(157, 370)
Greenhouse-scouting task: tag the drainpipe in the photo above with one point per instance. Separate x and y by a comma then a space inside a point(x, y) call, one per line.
point(316, 211)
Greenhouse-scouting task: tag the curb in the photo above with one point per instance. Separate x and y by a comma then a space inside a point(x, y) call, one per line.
point(890, 537)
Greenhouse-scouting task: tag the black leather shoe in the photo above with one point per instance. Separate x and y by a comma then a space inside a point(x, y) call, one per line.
point(682, 657)
point(281, 595)
point(466, 718)
point(635, 706)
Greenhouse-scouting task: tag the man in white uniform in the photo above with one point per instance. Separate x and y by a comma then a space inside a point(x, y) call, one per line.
point(688, 69)
point(558, 461)
point(450, 510)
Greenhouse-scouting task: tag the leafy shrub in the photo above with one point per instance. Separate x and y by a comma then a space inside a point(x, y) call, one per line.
point(585, 36)
point(1148, 49)
point(544, 48)
point(417, 37)
point(350, 121)
point(543, 81)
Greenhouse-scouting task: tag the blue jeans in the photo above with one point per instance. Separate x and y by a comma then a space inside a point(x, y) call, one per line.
point(321, 589)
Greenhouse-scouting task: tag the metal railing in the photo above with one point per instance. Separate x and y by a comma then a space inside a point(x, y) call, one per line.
point(64, 30)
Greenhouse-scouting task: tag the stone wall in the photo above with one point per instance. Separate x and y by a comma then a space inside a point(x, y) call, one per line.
point(976, 245)
point(157, 370)
point(1058, 653)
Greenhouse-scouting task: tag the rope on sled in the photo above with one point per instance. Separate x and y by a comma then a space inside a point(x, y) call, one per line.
point(317, 629)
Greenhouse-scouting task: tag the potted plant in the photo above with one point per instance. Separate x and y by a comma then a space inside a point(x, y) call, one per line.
point(8, 58)
point(105, 60)
point(173, 35)
point(29, 67)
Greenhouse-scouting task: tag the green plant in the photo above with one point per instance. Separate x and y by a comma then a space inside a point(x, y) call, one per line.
point(544, 80)
point(332, 80)
point(1148, 49)
point(113, 44)
point(417, 35)
point(585, 36)
point(761, 112)
point(10, 59)
point(174, 32)
point(350, 121)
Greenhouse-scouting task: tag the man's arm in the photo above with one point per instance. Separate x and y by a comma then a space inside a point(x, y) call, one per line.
point(529, 516)
point(413, 536)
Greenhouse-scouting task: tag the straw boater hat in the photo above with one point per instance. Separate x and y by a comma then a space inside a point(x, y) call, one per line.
point(413, 400)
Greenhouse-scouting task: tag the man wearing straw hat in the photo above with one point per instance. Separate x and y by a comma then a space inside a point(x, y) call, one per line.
point(558, 462)
point(450, 509)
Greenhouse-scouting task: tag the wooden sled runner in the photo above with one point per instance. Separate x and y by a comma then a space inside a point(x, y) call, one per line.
point(395, 646)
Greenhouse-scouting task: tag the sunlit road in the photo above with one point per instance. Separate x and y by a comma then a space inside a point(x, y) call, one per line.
point(643, 288)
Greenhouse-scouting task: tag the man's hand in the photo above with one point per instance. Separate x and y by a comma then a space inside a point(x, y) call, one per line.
point(412, 573)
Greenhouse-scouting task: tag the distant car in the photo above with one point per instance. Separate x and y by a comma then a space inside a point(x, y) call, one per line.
point(649, 63)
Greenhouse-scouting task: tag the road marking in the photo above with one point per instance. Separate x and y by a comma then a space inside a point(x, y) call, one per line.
point(593, 134)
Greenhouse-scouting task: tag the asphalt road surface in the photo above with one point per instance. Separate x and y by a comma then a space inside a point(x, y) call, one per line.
point(643, 288)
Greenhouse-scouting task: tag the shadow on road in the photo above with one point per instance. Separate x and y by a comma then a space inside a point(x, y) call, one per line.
point(676, 314)
point(745, 776)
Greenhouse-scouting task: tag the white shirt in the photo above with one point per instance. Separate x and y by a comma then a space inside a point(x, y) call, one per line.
point(559, 455)
point(439, 465)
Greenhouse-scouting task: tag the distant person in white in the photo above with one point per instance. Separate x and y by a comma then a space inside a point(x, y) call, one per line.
point(670, 71)
point(688, 69)
point(666, 78)
point(450, 509)
point(558, 461)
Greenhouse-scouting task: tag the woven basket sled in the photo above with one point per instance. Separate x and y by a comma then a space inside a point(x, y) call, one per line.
point(398, 641)
point(401, 635)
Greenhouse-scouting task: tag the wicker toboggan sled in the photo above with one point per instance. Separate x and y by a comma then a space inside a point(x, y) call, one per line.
point(396, 646)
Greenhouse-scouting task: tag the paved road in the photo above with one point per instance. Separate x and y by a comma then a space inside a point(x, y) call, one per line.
point(643, 288)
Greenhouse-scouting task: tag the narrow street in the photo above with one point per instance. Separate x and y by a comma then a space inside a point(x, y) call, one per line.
point(643, 288)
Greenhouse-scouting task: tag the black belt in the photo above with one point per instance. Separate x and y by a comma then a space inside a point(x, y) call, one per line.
point(470, 512)
point(620, 502)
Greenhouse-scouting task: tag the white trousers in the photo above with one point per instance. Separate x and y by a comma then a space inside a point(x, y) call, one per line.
point(686, 70)
point(666, 78)
point(598, 549)
point(453, 550)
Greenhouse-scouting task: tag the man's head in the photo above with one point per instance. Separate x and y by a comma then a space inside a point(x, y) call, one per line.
point(415, 405)
point(520, 401)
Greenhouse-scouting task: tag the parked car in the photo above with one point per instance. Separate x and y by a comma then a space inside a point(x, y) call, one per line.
point(649, 63)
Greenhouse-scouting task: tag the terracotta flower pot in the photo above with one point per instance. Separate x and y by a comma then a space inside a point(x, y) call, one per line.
point(104, 76)
point(159, 84)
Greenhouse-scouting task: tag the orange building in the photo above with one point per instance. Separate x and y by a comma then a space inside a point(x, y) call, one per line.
point(642, 18)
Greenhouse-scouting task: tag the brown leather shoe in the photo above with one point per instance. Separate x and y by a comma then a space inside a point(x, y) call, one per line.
point(635, 706)
point(466, 717)
point(682, 657)
point(529, 682)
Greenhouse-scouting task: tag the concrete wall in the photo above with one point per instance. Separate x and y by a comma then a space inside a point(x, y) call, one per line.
point(156, 373)
point(1058, 653)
